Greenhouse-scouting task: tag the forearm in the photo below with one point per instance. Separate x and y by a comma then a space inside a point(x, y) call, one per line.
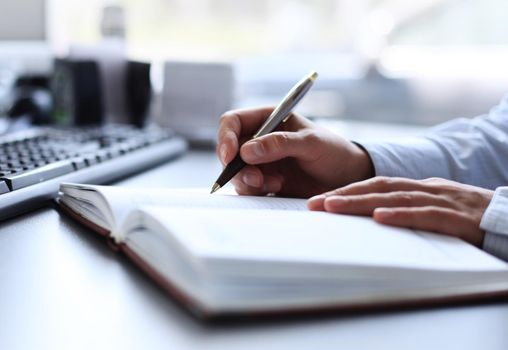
point(471, 151)
point(415, 158)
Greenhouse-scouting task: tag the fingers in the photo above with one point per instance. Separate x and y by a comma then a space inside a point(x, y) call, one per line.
point(365, 204)
point(252, 181)
point(238, 125)
point(382, 184)
point(430, 218)
point(304, 145)
point(433, 204)
point(233, 125)
point(379, 184)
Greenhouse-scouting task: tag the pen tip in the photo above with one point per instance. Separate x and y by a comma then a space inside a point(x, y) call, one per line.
point(215, 187)
point(313, 75)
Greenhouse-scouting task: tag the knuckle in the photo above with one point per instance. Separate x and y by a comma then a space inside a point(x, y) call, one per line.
point(310, 137)
point(405, 198)
point(439, 183)
point(223, 121)
point(470, 199)
point(228, 134)
point(280, 140)
point(228, 115)
point(382, 181)
point(229, 120)
point(228, 139)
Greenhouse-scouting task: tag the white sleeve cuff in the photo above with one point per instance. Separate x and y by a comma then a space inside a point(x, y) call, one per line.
point(414, 158)
point(495, 224)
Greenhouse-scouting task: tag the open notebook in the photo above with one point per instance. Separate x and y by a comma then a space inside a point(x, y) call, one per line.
point(228, 254)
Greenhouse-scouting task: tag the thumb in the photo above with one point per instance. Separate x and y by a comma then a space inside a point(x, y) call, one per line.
point(278, 145)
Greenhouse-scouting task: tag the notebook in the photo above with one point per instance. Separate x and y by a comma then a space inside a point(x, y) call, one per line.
point(226, 255)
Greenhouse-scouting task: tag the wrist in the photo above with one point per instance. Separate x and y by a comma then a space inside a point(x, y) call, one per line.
point(363, 167)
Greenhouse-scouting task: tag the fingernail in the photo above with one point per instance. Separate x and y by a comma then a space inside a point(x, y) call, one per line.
point(254, 149)
point(223, 153)
point(251, 179)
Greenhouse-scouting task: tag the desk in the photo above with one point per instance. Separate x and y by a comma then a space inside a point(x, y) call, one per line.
point(61, 287)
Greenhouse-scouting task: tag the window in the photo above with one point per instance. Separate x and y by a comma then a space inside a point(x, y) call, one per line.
point(274, 41)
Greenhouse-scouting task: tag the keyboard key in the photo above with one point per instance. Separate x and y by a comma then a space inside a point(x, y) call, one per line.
point(78, 163)
point(102, 155)
point(114, 152)
point(31, 177)
point(3, 187)
point(90, 159)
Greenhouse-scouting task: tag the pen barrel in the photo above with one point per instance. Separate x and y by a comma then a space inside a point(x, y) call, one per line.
point(281, 112)
point(287, 106)
point(231, 170)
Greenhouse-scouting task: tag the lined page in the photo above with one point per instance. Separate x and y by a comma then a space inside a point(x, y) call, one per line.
point(123, 200)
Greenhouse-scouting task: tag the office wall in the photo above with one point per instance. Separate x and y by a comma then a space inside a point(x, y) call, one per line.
point(419, 61)
point(22, 20)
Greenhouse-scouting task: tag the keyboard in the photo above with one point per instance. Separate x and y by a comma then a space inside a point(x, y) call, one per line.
point(34, 162)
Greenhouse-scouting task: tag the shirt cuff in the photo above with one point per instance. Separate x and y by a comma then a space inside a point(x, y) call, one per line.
point(495, 224)
point(408, 158)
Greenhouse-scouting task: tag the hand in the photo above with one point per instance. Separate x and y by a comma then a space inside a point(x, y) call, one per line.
point(433, 204)
point(300, 160)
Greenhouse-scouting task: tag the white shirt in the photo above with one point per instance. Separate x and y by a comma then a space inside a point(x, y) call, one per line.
point(471, 151)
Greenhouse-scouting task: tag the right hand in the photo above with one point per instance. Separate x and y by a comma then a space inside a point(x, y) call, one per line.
point(300, 160)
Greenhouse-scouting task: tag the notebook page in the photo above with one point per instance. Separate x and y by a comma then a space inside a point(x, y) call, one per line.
point(281, 237)
point(123, 200)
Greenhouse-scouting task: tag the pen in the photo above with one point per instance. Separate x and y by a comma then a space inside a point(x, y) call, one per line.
point(279, 115)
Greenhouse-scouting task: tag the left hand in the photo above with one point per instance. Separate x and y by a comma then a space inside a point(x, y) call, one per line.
point(433, 204)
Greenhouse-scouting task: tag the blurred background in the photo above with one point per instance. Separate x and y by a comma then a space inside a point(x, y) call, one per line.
point(413, 62)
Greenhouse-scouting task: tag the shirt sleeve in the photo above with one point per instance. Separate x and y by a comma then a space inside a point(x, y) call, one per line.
point(472, 151)
point(495, 224)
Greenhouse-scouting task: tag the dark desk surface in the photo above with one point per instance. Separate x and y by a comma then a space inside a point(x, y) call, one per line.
point(61, 287)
